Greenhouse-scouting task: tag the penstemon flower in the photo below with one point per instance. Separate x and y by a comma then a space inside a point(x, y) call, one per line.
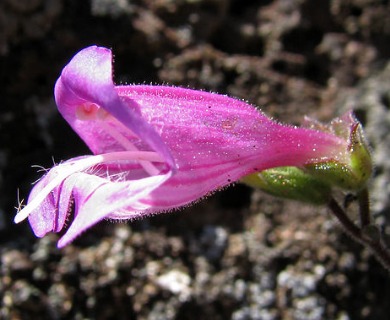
point(156, 148)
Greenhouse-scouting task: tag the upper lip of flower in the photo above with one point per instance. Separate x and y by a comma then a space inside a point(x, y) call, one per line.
point(87, 79)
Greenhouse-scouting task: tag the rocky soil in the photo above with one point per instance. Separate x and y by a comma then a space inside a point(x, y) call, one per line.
point(239, 254)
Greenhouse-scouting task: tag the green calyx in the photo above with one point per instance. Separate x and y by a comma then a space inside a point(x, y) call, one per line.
point(352, 174)
point(290, 183)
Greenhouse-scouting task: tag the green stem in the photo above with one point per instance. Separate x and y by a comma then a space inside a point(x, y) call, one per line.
point(376, 246)
point(350, 228)
point(364, 208)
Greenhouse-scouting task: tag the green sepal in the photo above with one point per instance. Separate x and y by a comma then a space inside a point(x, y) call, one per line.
point(290, 183)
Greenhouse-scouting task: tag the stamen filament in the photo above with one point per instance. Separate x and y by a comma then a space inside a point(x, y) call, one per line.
point(146, 165)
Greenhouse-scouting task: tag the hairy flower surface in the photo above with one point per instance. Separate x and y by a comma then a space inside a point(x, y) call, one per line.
point(156, 148)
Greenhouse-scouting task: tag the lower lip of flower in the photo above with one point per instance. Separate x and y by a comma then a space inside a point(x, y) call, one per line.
point(63, 171)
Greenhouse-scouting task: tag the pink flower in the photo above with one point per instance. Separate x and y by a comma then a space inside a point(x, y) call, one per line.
point(156, 148)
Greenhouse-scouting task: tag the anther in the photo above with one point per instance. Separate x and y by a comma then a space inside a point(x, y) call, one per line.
point(87, 111)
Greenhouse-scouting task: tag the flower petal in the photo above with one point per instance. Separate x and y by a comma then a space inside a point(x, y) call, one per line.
point(90, 196)
point(94, 202)
point(88, 78)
